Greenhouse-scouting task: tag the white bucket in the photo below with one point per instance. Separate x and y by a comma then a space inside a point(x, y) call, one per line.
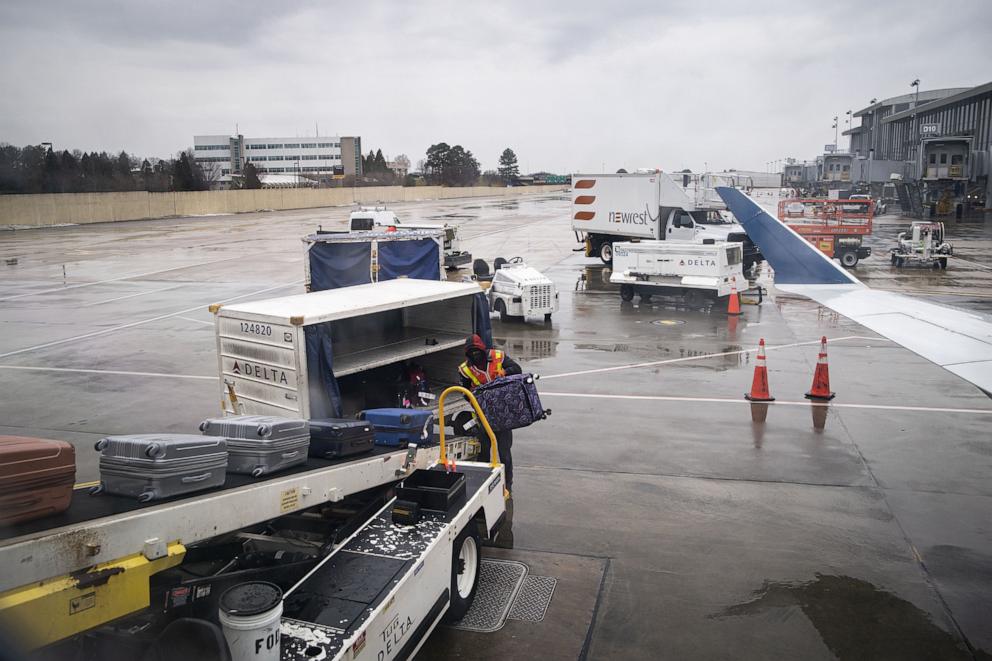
point(250, 614)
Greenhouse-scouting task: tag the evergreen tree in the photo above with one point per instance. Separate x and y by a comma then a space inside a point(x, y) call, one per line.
point(252, 179)
point(508, 168)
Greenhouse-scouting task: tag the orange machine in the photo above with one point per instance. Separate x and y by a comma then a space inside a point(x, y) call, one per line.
point(836, 227)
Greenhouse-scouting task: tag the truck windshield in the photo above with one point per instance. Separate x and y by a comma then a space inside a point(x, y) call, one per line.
point(710, 218)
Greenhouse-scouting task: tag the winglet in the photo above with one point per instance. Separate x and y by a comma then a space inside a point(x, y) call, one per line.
point(794, 259)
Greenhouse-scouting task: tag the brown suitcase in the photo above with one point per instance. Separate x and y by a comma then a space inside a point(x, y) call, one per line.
point(36, 478)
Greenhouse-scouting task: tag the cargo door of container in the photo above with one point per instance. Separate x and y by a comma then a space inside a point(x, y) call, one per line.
point(266, 365)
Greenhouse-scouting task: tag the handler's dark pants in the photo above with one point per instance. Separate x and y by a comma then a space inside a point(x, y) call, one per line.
point(504, 441)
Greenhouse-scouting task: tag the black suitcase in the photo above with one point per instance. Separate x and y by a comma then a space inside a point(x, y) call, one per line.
point(332, 438)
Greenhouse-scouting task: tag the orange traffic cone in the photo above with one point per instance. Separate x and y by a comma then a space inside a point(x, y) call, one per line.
point(733, 303)
point(759, 386)
point(821, 377)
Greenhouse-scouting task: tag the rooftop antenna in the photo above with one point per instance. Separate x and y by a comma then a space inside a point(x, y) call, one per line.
point(316, 130)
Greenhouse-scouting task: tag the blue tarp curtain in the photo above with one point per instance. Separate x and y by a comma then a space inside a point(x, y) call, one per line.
point(325, 397)
point(334, 265)
point(418, 259)
point(481, 323)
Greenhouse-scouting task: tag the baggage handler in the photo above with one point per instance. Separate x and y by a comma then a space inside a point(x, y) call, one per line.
point(484, 365)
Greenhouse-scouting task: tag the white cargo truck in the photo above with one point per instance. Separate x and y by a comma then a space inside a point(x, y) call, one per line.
point(693, 270)
point(611, 207)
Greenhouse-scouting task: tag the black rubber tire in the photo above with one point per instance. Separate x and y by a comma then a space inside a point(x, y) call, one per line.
point(892, 258)
point(849, 259)
point(547, 317)
point(645, 296)
point(627, 292)
point(459, 605)
point(943, 263)
point(501, 308)
point(606, 252)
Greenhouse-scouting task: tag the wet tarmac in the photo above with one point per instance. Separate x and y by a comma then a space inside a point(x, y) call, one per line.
point(681, 526)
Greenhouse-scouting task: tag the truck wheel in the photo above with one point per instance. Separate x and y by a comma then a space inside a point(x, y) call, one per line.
point(892, 258)
point(547, 317)
point(627, 292)
point(466, 562)
point(501, 308)
point(943, 263)
point(606, 252)
point(645, 296)
point(849, 258)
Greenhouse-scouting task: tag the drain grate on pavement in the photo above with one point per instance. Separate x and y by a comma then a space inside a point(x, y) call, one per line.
point(533, 599)
point(499, 581)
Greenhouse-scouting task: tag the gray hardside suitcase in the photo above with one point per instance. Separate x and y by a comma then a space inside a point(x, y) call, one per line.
point(261, 444)
point(155, 466)
point(254, 427)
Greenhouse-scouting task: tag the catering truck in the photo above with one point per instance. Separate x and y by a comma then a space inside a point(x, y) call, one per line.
point(607, 208)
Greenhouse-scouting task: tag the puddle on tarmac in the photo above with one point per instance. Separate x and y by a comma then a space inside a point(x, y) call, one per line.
point(857, 620)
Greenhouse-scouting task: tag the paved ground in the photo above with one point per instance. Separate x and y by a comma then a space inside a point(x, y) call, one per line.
point(702, 534)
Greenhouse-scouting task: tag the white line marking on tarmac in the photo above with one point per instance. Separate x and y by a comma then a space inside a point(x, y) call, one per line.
point(668, 361)
point(778, 402)
point(139, 323)
point(121, 298)
point(115, 372)
point(123, 277)
point(199, 321)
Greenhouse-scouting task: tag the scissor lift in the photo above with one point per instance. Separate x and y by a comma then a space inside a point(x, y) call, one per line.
point(836, 227)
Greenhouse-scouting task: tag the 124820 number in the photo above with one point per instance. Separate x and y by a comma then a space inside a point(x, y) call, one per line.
point(256, 329)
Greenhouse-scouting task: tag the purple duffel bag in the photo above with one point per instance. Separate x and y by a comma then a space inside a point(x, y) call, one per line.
point(510, 402)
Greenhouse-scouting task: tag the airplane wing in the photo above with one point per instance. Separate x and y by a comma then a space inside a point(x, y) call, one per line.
point(958, 341)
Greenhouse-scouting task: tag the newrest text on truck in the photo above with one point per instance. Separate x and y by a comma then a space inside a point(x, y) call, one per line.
point(607, 208)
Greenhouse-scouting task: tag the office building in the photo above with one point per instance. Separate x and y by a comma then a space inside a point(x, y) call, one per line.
point(225, 156)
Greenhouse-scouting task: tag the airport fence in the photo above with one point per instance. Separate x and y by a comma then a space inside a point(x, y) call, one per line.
point(54, 209)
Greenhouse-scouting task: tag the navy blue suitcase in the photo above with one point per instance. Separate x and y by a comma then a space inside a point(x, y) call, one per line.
point(511, 402)
point(332, 438)
point(394, 427)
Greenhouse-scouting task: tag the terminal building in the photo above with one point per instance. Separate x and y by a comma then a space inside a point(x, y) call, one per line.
point(938, 141)
point(224, 156)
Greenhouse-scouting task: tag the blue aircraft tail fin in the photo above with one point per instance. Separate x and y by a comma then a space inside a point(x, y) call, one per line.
point(794, 259)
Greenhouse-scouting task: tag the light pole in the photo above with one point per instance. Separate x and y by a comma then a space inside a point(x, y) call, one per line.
point(916, 126)
point(834, 127)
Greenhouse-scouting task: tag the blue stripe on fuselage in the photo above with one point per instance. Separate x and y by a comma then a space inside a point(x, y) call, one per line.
point(794, 259)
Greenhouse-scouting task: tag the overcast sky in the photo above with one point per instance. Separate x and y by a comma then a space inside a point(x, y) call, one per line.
point(570, 86)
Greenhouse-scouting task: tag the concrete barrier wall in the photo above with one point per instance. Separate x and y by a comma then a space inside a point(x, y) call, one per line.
point(49, 210)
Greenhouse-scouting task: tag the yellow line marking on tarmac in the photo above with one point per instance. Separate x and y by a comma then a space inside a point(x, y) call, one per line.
point(86, 485)
point(143, 321)
point(777, 402)
point(668, 361)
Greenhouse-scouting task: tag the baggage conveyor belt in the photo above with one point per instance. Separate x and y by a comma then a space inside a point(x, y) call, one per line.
point(386, 587)
point(104, 528)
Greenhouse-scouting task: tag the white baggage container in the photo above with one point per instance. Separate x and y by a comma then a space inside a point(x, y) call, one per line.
point(262, 345)
point(679, 267)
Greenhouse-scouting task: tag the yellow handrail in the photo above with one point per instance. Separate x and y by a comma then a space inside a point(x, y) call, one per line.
point(494, 451)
